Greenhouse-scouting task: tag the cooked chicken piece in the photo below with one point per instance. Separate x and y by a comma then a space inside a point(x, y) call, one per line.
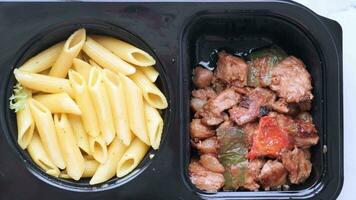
point(212, 110)
point(273, 174)
point(226, 124)
point(297, 163)
point(209, 145)
point(196, 104)
point(211, 162)
point(290, 80)
point(199, 130)
point(202, 77)
point(305, 134)
point(204, 94)
point(231, 69)
point(249, 108)
point(254, 169)
point(242, 90)
point(302, 133)
point(218, 85)
point(205, 179)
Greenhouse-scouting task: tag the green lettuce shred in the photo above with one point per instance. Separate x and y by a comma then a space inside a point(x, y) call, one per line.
point(18, 98)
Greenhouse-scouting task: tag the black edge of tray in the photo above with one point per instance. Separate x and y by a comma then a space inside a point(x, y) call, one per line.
point(160, 26)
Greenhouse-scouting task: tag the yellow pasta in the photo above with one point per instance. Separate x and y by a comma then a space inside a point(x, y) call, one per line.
point(137, 121)
point(94, 64)
point(85, 103)
point(131, 158)
point(25, 126)
point(46, 129)
point(105, 58)
point(82, 68)
point(154, 123)
point(71, 153)
point(90, 168)
point(107, 170)
point(102, 105)
point(40, 157)
point(43, 60)
point(45, 72)
point(81, 136)
point(151, 93)
point(98, 148)
point(150, 73)
point(116, 95)
point(43, 83)
point(59, 103)
point(71, 49)
point(126, 51)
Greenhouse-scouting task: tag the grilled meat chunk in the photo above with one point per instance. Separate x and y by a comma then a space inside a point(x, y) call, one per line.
point(202, 77)
point(231, 69)
point(204, 179)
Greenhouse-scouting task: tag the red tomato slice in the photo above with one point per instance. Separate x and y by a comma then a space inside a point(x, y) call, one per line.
point(269, 140)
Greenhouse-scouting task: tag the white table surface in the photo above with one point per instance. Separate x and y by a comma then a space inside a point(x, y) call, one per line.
point(344, 12)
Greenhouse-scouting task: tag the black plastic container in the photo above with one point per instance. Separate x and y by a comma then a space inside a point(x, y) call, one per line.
point(180, 35)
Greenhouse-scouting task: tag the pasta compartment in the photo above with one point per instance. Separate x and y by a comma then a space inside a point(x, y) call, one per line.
point(47, 38)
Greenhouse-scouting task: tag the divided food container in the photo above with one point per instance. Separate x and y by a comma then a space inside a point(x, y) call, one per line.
point(178, 35)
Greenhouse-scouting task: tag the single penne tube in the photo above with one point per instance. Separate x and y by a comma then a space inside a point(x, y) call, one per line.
point(105, 58)
point(150, 91)
point(137, 121)
point(44, 60)
point(58, 103)
point(90, 168)
point(98, 148)
point(71, 49)
point(154, 123)
point(47, 132)
point(150, 73)
point(116, 95)
point(125, 51)
point(43, 83)
point(40, 157)
point(107, 170)
point(71, 153)
point(131, 158)
point(25, 126)
point(101, 104)
point(80, 134)
point(85, 103)
point(82, 68)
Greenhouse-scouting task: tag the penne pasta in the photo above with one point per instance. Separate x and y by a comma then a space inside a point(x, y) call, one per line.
point(43, 83)
point(105, 58)
point(151, 93)
point(107, 170)
point(94, 64)
point(43, 60)
point(116, 95)
point(25, 126)
point(82, 68)
point(59, 103)
point(45, 72)
point(64, 174)
point(98, 148)
point(131, 158)
point(125, 51)
point(40, 157)
point(71, 49)
point(154, 123)
point(102, 105)
point(71, 153)
point(47, 132)
point(90, 168)
point(150, 73)
point(81, 136)
point(137, 121)
point(85, 103)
